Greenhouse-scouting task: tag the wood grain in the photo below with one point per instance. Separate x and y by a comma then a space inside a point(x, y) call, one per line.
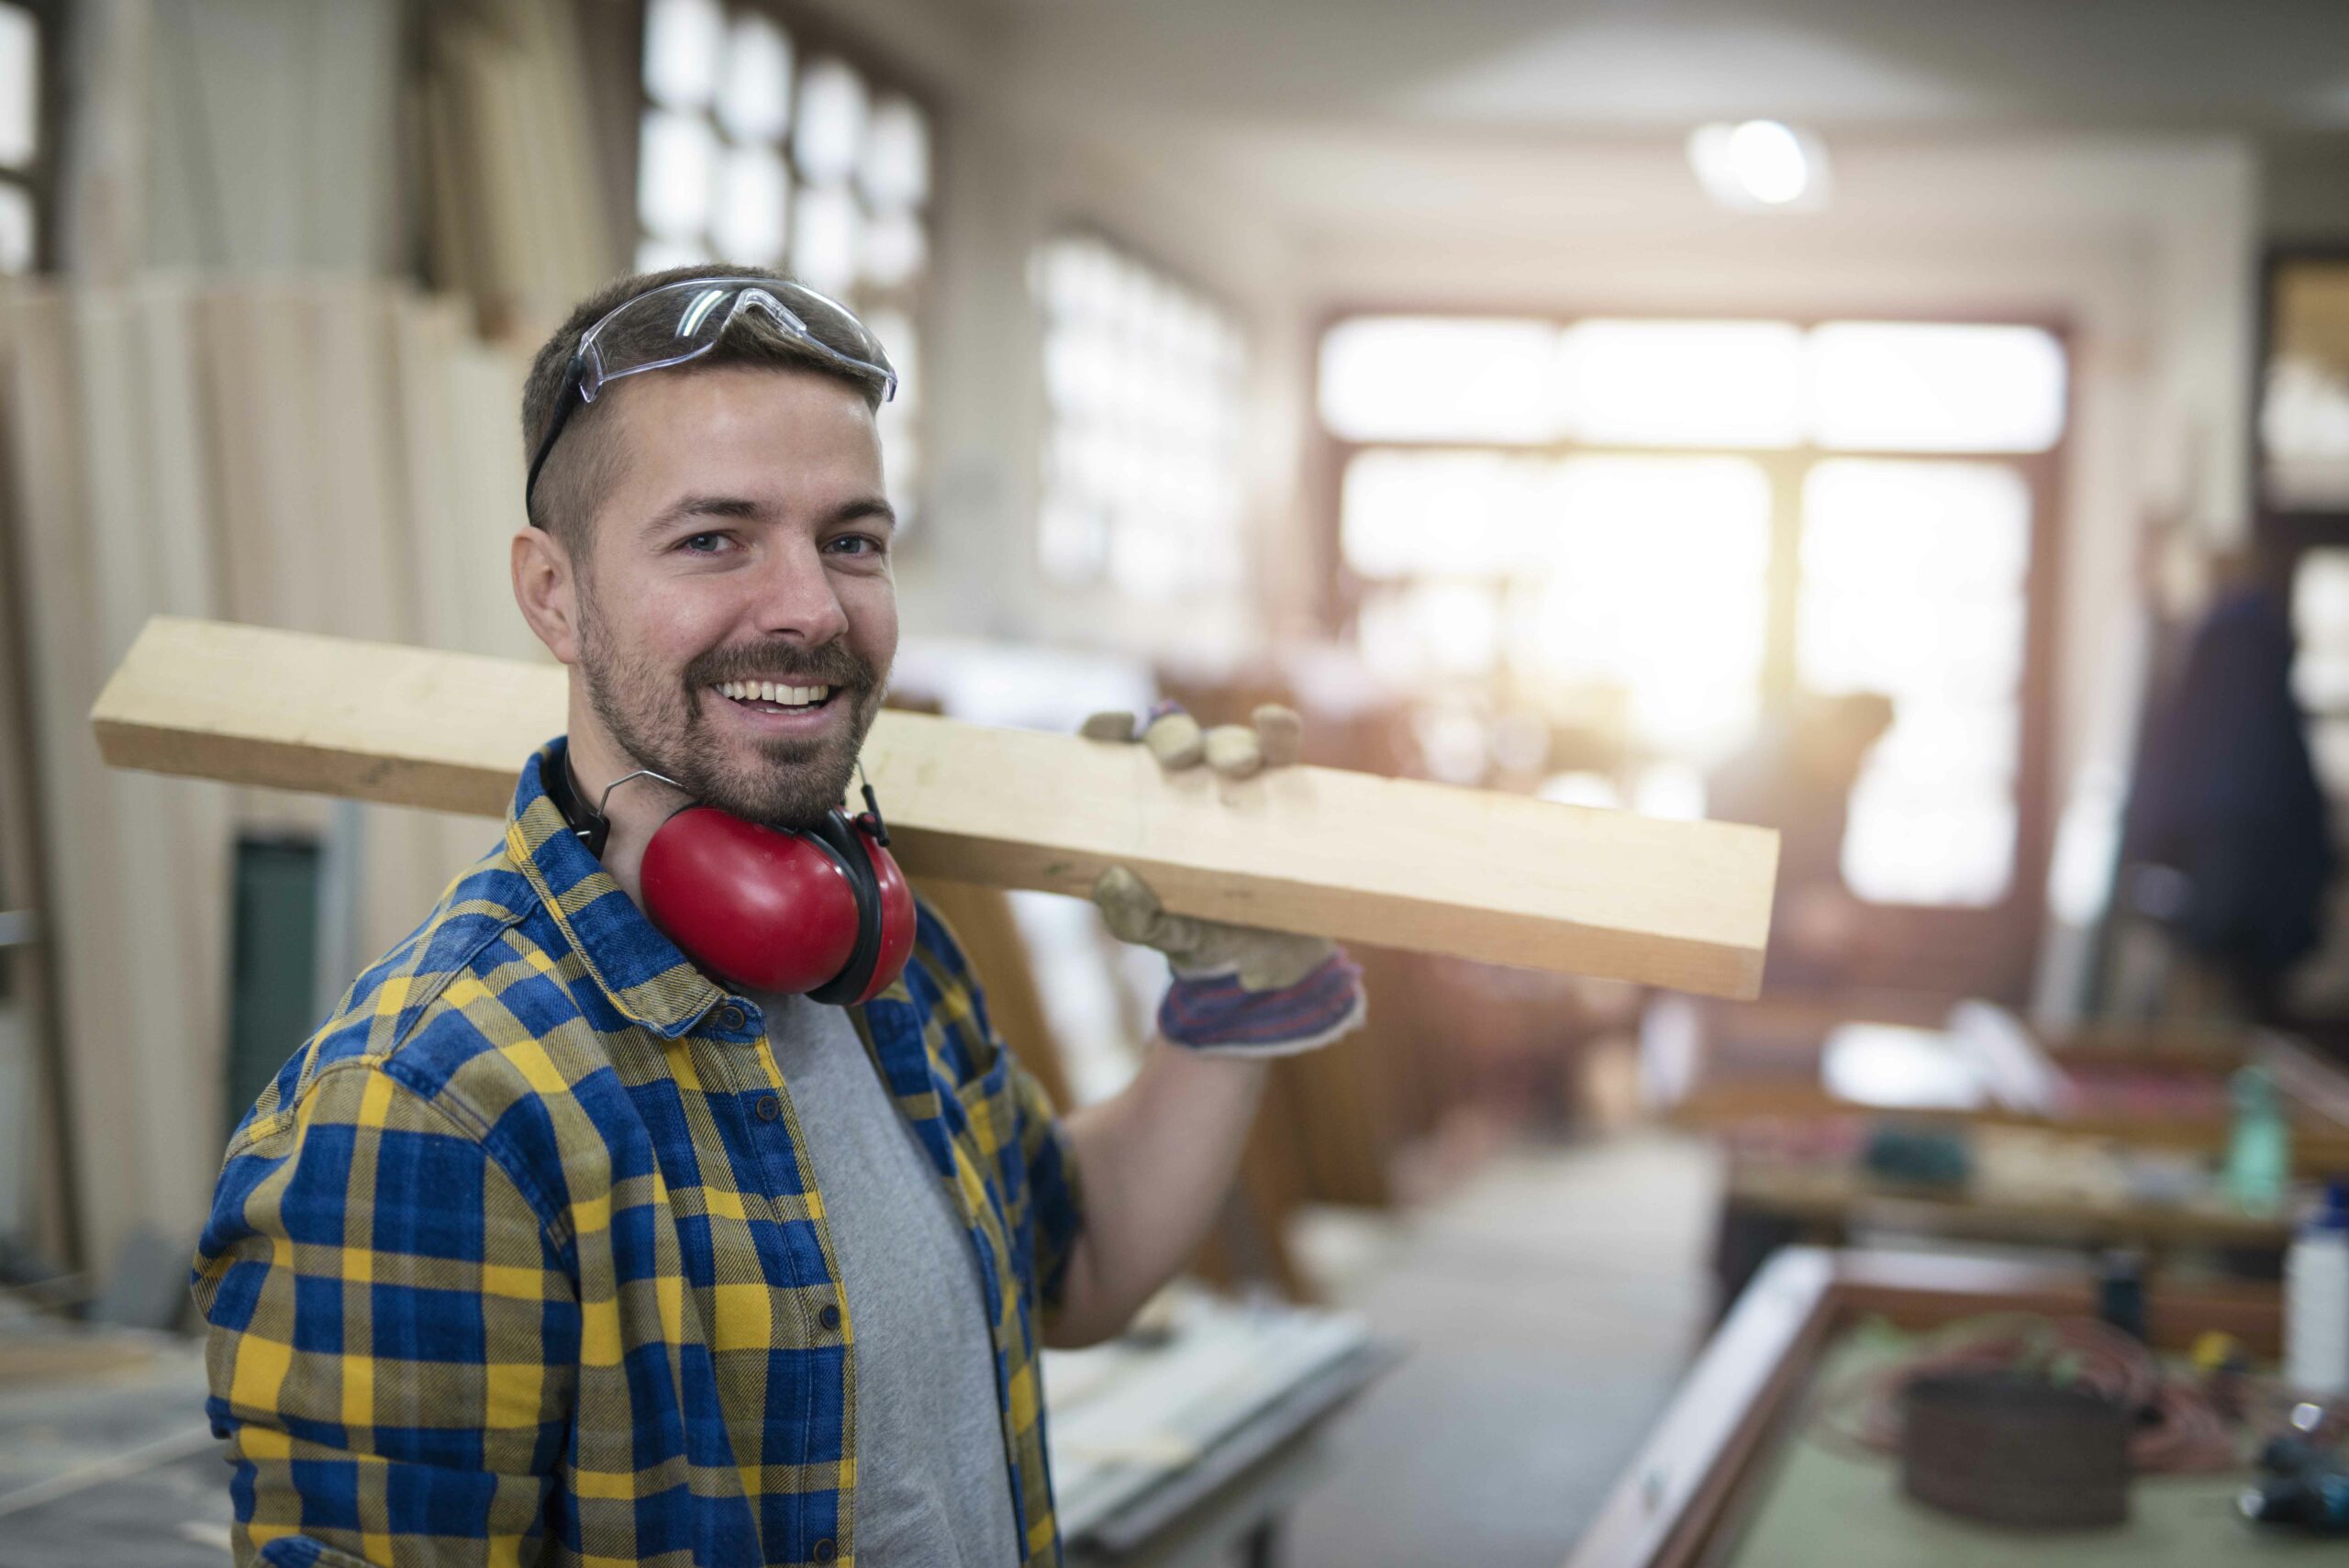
point(1392, 861)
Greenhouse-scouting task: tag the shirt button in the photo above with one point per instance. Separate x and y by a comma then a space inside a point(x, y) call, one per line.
point(768, 1107)
point(826, 1550)
point(731, 1018)
point(830, 1317)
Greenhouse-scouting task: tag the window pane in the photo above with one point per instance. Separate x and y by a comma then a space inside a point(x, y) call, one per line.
point(1914, 386)
point(1658, 584)
point(901, 340)
point(16, 232)
point(1400, 378)
point(895, 249)
point(1458, 513)
point(1735, 384)
point(654, 254)
point(1141, 462)
point(825, 233)
point(1915, 585)
point(896, 168)
point(19, 87)
point(2320, 628)
point(829, 136)
point(676, 163)
point(898, 419)
point(2304, 408)
point(1430, 630)
point(753, 205)
point(683, 41)
point(754, 92)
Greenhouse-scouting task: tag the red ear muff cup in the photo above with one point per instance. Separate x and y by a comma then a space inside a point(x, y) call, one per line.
point(759, 908)
point(896, 900)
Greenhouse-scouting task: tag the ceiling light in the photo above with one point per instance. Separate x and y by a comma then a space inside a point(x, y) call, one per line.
point(1759, 166)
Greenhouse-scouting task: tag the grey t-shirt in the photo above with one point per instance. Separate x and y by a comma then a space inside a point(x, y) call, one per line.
point(933, 1487)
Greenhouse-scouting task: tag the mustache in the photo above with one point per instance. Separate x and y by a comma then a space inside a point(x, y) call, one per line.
point(830, 664)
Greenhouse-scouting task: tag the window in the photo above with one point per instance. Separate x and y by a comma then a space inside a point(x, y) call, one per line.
point(2321, 663)
point(1656, 586)
point(2304, 403)
point(756, 148)
point(1646, 534)
point(1142, 485)
point(24, 158)
point(1913, 585)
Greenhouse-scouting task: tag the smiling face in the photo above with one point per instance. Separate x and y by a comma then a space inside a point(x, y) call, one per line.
point(731, 613)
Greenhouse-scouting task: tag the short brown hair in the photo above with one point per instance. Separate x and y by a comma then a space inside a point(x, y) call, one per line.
point(579, 472)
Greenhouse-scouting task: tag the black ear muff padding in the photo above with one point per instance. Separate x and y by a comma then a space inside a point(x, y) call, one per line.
point(838, 835)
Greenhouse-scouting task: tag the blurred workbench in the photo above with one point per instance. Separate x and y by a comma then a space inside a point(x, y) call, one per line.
point(1738, 1475)
point(1172, 1446)
point(1907, 1115)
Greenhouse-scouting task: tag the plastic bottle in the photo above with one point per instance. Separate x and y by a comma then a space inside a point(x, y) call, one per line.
point(2259, 1156)
point(2316, 1299)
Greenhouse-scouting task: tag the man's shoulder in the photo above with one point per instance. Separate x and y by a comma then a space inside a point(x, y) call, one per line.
point(936, 947)
point(943, 985)
point(486, 968)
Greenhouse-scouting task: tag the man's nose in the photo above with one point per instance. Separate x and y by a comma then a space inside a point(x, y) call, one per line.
point(796, 598)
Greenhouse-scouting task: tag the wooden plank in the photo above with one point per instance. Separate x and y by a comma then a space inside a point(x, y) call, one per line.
point(1397, 862)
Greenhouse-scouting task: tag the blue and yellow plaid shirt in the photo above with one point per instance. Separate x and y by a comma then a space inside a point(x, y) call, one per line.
point(521, 1258)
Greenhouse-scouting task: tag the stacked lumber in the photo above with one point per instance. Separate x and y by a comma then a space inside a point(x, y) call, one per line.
point(514, 211)
point(326, 454)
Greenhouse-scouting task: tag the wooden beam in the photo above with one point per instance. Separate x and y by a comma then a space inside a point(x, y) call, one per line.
point(1396, 862)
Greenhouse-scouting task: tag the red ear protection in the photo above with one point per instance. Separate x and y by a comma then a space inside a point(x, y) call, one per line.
point(823, 912)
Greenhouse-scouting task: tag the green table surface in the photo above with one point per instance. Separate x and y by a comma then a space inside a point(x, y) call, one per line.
point(1824, 1506)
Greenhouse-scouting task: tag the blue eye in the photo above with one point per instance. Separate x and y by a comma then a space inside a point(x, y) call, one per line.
point(704, 544)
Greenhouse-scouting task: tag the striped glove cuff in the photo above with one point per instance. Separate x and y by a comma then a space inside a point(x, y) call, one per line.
point(1214, 1014)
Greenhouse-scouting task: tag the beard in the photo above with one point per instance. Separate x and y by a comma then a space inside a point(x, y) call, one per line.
point(656, 716)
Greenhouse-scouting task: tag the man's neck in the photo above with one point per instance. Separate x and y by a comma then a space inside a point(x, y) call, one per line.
point(635, 810)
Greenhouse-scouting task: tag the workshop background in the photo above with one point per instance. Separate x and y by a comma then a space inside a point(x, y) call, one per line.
point(1574, 398)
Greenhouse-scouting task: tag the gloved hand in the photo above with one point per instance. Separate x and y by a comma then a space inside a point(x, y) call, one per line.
point(1237, 990)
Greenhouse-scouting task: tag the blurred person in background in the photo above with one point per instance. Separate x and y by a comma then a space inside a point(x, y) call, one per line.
point(1797, 776)
point(2226, 845)
point(551, 1245)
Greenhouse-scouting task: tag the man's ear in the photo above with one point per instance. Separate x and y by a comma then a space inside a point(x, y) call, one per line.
point(546, 586)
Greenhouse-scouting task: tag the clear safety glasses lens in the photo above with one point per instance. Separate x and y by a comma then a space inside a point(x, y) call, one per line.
point(681, 321)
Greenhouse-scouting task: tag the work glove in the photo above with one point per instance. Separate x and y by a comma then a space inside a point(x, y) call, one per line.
point(1237, 990)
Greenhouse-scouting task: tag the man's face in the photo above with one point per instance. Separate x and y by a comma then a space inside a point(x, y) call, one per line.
point(739, 567)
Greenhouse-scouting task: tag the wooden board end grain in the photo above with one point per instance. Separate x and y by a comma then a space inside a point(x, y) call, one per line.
point(1396, 862)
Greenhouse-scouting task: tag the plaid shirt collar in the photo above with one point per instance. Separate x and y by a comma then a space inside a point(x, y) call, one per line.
point(647, 977)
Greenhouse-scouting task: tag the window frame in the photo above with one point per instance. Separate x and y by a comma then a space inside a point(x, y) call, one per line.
point(1990, 950)
point(1088, 228)
point(43, 178)
point(2281, 536)
point(2291, 529)
point(616, 53)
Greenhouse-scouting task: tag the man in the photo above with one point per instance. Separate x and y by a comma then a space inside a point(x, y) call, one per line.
point(551, 1247)
point(1797, 777)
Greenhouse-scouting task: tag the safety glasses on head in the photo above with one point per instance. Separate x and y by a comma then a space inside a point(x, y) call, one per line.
point(681, 321)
